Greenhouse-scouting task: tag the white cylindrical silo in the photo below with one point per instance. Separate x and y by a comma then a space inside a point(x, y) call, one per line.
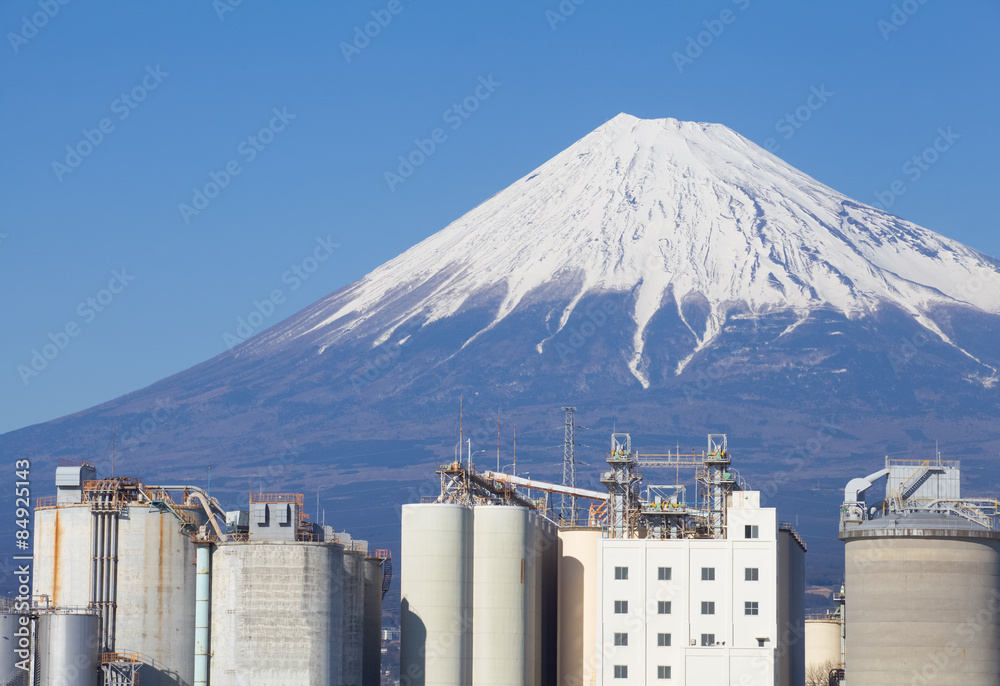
point(151, 574)
point(503, 596)
point(372, 644)
point(533, 599)
point(822, 641)
point(923, 600)
point(436, 595)
point(67, 649)
point(578, 579)
point(155, 596)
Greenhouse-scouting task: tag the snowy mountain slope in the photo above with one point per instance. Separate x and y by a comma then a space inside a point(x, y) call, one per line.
point(669, 279)
point(671, 212)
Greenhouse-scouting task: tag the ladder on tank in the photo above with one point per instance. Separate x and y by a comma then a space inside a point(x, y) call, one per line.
point(386, 557)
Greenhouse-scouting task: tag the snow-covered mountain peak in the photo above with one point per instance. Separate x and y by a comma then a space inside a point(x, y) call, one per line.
point(666, 210)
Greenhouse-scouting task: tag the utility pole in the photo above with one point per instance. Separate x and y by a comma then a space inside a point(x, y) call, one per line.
point(567, 504)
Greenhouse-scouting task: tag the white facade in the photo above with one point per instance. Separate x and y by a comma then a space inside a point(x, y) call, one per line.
point(696, 611)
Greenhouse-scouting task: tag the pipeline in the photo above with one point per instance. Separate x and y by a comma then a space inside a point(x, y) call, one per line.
point(203, 499)
point(104, 569)
point(203, 614)
point(113, 581)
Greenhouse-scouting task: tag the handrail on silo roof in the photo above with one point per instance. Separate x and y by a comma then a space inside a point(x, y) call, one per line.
point(296, 498)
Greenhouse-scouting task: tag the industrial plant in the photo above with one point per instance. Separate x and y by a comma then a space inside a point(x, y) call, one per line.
point(674, 573)
point(683, 579)
point(154, 585)
point(922, 578)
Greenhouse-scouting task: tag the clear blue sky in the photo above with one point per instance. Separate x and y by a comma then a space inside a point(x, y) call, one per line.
point(196, 87)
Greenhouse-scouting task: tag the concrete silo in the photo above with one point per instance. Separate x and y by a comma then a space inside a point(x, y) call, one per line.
point(503, 596)
point(823, 643)
point(579, 576)
point(353, 591)
point(276, 613)
point(436, 590)
point(123, 548)
point(922, 579)
point(372, 665)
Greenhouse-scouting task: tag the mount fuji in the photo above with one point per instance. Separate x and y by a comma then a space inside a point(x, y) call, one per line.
point(672, 278)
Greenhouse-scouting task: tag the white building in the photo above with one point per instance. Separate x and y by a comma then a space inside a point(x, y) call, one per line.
point(700, 610)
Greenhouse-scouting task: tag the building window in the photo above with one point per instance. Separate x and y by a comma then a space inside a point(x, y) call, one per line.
point(708, 608)
point(708, 639)
point(708, 573)
point(760, 642)
point(752, 574)
point(621, 573)
point(663, 640)
point(751, 531)
point(663, 607)
point(664, 574)
point(621, 607)
point(750, 608)
point(621, 639)
point(663, 672)
point(621, 671)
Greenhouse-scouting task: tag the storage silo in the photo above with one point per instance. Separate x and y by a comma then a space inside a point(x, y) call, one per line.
point(436, 595)
point(503, 593)
point(276, 613)
point(156, 580)
point(922, 581)
point(578, 574)
point(548, 554)
point(372, 667)
point(15, 637)
point(353, 588)
point(131, 557)
point(822, 638)
point(67, 649)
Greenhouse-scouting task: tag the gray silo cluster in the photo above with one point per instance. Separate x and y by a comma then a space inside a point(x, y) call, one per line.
point(158, 585)
point(922, 578)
